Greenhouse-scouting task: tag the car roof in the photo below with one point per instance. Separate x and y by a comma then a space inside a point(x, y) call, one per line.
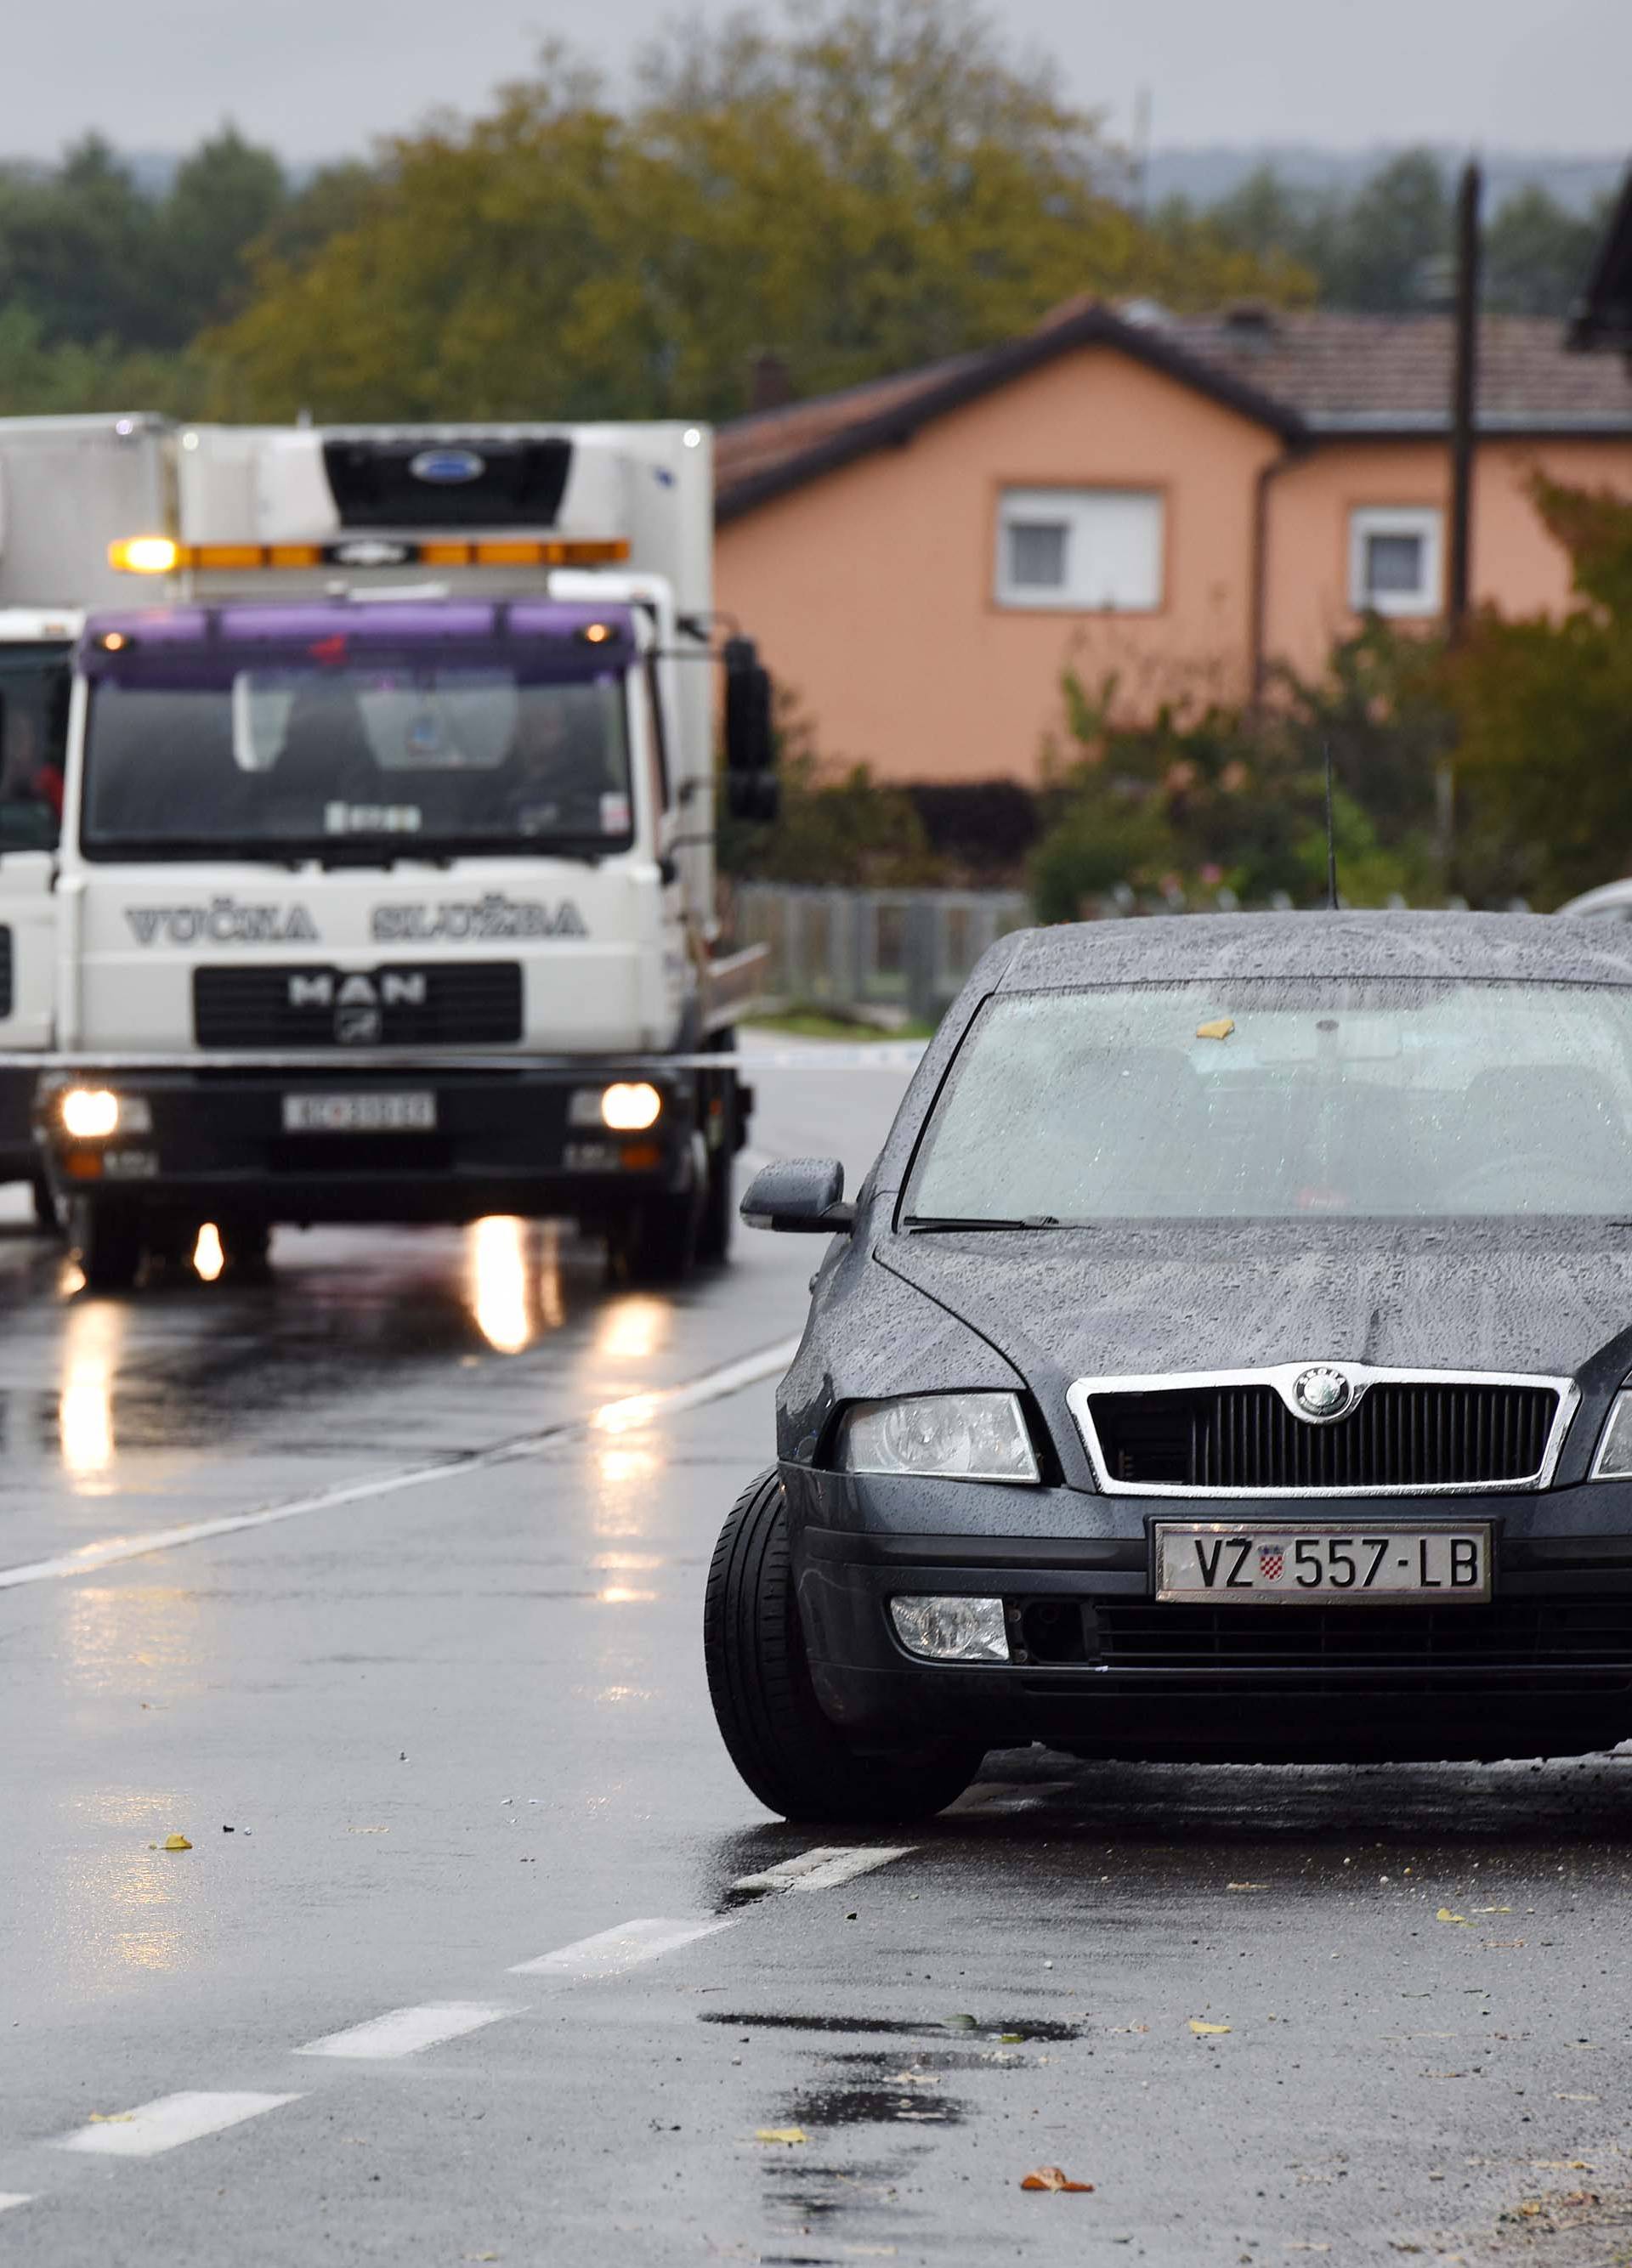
point(1179, 948)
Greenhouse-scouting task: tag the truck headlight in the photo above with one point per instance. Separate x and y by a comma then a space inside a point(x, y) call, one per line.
point(1614, 1461)
point(630, 1107)
point(964, 1437)
point(92, 1113)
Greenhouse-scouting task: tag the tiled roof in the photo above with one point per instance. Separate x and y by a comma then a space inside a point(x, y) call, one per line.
point(1304, 374)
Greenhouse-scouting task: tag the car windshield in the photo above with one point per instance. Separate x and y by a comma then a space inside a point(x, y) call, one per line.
point(1277, 1100)
point(433, 757)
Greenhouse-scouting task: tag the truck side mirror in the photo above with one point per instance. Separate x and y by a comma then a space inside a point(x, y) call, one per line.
point(750, 744)
point(799, 1196)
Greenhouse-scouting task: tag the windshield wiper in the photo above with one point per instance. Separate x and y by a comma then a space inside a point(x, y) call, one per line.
point(974, 1220)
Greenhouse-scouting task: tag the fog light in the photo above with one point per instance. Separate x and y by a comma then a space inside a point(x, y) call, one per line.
point(630, 1108)
point(90, 1114)
point(951, 1629)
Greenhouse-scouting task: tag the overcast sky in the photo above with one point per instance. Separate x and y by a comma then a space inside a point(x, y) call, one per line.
point(318, 77)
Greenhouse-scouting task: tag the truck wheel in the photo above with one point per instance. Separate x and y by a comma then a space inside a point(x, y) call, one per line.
point(107, 1242)
point(246, 1250)
point(713, 1237)
point(48, 1216)
point(795, 1760)
point(655, 1242)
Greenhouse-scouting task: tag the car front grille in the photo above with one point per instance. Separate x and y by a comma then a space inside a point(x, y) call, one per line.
point(456, 1004)
point(1412, 1434)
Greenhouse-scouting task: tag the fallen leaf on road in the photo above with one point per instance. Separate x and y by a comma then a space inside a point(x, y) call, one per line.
point(1009, 2039)
point(910, 2079)
point(1461, 1920)
point(1220, 1029)
point(1246, 1886)
point(368, 1830)
point(177, 1843)
point(960, 2024)
point(1575, 2098)
point(1050, 2178)
point(111, 2117)
point(790, 2135)
point(1493, 1910)
point(1205, 2032)
point(1505, 1944)
point(1562, 2166)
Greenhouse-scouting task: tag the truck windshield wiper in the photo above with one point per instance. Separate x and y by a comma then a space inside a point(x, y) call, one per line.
point(974, 1220)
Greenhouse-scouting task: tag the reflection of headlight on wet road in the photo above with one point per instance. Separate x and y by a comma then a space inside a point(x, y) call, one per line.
point(85, 1405)
point(208, 1258)
point(498, 1284)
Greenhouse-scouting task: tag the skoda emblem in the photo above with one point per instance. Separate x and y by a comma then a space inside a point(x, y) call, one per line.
point(447, 468)
point(1322, 1392)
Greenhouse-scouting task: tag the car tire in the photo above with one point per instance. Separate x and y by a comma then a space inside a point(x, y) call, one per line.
point(246, 1251)
point(656, 1241)
point(787, 1752)
point(48, 1213)
point(107, 1243)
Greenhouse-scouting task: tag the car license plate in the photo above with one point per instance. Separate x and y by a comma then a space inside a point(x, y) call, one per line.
point(1213, 1561)
point(360, 1114)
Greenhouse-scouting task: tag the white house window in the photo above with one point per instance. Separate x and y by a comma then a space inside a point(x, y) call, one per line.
point(1080, 550)
point(1395, 560)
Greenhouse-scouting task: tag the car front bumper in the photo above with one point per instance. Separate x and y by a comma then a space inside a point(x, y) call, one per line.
point(1104, 1668)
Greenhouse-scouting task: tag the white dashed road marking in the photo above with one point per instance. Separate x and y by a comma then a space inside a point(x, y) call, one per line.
point(167, 2121)
point(623, 1947)
point(404, 2031)
point(825, 1868)
point(620, 1417)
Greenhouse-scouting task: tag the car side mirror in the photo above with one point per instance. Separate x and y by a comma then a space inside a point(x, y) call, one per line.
point(802, 1196)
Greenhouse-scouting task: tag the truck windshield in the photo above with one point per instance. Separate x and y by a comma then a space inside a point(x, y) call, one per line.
point(422, 758)
point(35, 681)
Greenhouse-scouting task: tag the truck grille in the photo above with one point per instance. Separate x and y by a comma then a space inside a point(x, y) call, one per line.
point(1416, 1434)
point(459, 1003)
point(7, 994)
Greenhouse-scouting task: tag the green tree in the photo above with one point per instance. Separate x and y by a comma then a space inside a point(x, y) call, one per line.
point(879, 185)
point(1537, 255)
point(1544, 711)
point(224, 197)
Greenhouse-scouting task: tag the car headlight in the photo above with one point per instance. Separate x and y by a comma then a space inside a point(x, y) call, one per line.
point(92, 1113)
point(964, 1437)
point(1614, 1461)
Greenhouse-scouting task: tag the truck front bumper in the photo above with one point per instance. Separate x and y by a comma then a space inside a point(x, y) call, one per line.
point(207, 1142)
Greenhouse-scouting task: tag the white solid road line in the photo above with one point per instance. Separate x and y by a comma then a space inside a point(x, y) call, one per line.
point(404, 2031)
point(614, 1950)
point(165, 2122)
point(825, 1868)
point(620, 1417)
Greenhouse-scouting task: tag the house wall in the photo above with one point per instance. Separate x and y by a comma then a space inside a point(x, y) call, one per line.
point(1517, 565)
point(870, 589)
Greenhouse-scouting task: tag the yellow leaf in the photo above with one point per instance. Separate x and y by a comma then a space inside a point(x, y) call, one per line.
point(177, 1843)
point(1203, 2031)
point(791, 2135)
point(1220, 1029)
point(1461, 1920)
point(111, 2117)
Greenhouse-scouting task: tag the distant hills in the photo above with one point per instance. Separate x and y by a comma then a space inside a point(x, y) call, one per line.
point(1205, 174)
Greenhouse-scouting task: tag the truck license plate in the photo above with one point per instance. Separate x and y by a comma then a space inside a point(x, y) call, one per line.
point(1213, 1562)
point(360, 1114)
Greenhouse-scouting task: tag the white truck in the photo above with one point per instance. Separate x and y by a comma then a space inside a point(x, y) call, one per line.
point(69, 486)
point(385, 889)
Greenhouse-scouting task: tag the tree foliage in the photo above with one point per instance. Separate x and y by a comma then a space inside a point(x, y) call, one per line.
point(879, 184)
point(1544, 712)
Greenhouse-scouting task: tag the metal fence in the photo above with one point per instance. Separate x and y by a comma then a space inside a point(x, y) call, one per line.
point(905, 950)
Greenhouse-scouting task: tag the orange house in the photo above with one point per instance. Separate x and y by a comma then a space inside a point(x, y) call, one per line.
point(1179, 503)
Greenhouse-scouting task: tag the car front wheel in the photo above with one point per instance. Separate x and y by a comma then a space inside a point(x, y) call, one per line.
point(795, 1760)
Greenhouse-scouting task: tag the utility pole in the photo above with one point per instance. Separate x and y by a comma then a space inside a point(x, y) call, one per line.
point(1464, 402)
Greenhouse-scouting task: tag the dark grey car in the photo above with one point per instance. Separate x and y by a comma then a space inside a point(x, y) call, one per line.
point(1223, 1359)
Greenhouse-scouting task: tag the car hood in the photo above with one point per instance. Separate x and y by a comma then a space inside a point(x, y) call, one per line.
point(1536, 1297)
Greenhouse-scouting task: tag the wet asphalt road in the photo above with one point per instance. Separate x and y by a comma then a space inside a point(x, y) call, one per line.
point(450, 1705)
